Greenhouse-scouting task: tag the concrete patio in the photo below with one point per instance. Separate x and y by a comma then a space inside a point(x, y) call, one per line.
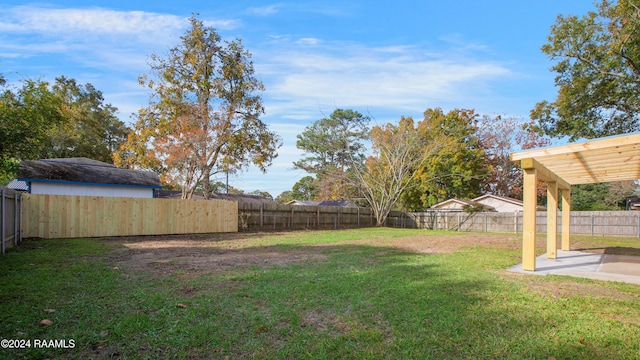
point(588, 265)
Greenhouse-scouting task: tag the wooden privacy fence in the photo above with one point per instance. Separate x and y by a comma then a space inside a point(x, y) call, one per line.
point(62, 216)
point(273, 217)
point(10, 217)
point(611, 223)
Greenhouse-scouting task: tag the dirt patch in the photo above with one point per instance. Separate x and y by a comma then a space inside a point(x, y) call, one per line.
point(443, 244)
point(164, 256)
point(212, 253)
point(194, 255)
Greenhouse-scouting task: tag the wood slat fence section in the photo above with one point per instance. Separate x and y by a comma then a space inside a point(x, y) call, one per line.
point(599, 223)
point(10, 218)
point(276, 217)
point(61, 216)
point(58, 216)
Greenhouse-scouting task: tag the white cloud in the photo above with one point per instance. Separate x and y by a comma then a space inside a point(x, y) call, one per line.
point(85, 24)
point(264, 10)
point(309, 41)
point(302, 79)
point(32, 19)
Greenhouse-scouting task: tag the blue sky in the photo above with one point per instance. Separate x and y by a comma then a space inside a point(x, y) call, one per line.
point(385, 59)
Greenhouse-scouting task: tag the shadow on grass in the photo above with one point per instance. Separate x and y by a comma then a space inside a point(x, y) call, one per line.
point(289, 301)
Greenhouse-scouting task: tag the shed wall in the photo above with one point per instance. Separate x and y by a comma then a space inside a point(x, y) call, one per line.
point(89, 190)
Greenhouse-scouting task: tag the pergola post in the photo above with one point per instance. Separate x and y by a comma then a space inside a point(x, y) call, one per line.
point(566, 219)
point(529, 200)
point(552, 219)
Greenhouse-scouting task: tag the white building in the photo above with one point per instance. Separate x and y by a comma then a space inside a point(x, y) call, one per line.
point(487, 202)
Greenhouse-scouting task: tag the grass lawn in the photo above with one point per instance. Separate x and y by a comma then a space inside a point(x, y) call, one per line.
point(356, 294)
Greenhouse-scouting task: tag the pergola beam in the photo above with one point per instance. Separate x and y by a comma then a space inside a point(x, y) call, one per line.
point(544, 174)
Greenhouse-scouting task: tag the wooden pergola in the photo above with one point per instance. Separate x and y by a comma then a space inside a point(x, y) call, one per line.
point(615, 158)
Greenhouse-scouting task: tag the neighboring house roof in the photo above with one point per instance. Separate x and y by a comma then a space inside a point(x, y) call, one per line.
point(340, 203)
point(303, 203)
point(450, 202)
point(500, 198)
point(488, 201)
point(246, 198)
point(83, 170)
point(18, 185)
point(453, 204)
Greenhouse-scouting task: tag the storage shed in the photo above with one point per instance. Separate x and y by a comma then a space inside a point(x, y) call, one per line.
point(86, 177)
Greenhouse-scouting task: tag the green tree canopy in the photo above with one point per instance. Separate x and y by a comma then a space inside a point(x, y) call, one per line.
point(204, 116)
point(601, 196)
point(598, 73)
point(332, 147)
point(284, 197)
point(336, 141)
point(457, 169)
point(65, 119)
point(304, 189)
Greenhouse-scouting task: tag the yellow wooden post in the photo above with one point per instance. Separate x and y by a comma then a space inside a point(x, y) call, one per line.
point(566, 219)
point(552, 219)
point(530, 200)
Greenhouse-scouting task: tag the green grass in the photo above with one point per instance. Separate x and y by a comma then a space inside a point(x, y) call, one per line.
point(351, 300)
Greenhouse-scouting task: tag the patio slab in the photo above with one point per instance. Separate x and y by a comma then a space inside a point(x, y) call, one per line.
point(587, 265)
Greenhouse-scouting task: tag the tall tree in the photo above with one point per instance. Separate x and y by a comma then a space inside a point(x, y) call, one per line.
point(598, 73)
point(284, 197)
point(304, 189)
point(399, 151)
point(455, 170)
point(332, 147)
point(204, 116)
point(26, 116)
point(66, 119)
point(601, 196)
point(90, 127)
point(500, 136)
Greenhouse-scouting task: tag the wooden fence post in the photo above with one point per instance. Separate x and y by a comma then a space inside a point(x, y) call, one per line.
point(2, 215)
point(261, 216)
point(16, 216)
